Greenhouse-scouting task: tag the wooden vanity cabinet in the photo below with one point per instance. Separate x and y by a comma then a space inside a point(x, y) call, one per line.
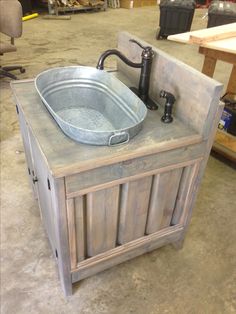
point(103, 205)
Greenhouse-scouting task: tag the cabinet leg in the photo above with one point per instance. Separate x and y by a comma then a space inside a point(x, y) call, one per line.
point(178, 245)
point(66, 282)
point(67, 290)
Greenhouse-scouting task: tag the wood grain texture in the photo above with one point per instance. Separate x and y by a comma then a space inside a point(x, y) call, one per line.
point(163, 197)
point(226, 45)
point(231, 87)
point(133, 209)
point(28, 151)
point(212, 34)
point(70, 206)
point(182, 194)
point(119, 173)
point(195, 106)
point(42, 173)
point(193, 184)
point(61, 232)
point(126, 252)
point(172, 188)
point(85, 191)
point(186, 217)
point(209, 65)
point(80, 228)
point(218, 55)
point(102, 217)
point(64, 156)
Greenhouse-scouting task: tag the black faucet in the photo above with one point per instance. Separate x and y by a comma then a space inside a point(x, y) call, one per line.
point(145, 66)
point(170, 99)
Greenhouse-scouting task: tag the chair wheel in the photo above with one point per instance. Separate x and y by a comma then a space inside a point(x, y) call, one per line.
point(22, 70)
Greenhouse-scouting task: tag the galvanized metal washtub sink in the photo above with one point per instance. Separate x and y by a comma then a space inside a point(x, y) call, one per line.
point(91, 106)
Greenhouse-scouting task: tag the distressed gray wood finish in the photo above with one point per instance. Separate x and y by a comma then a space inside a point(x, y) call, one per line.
point(125, 252)
point(42, 175)
point(145, 206)
point(133, 209)
point(128, 210)
point(27, 149)
point(197, 96)
point(62, 249)
point(162, 202)
point(67, 157)
point(106, 205)
point(102, 216)
point(80, 225)
point(109, 175)
point(198, 174)
point(182, 194)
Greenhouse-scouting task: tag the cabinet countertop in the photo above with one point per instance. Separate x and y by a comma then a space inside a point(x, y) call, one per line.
point(65, 156)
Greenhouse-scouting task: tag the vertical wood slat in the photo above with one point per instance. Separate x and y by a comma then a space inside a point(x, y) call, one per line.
point(162, 201)
point(80, 228)
point(190, 194)
point(133, 209)
point(102, 217)
point(76, 232)
point(153, 202)
point(182, 194)
point(70, 205)
point(172, 190)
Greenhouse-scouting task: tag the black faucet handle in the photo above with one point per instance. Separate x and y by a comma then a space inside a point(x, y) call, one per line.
point(140, 45)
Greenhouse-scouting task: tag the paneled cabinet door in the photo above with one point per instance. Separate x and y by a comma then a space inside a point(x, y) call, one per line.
point(109, 218)
point(43, 186)
point(27, 148)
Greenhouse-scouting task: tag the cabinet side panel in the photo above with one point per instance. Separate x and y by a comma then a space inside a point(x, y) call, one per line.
point(101, 216)
point(43, 183)
point(27, 149)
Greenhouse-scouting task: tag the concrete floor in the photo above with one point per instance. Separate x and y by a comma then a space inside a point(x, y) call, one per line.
point(200, 278)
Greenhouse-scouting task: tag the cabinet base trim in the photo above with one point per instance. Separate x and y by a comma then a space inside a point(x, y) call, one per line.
point(125, 252)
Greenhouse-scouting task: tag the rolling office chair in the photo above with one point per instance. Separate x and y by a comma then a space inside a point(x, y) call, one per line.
point(10, 25)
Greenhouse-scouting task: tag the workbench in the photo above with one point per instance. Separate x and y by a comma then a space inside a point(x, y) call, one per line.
point(104, 205)
point(216, 43)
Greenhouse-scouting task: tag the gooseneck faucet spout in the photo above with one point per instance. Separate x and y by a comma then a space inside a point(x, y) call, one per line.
point(100, 65)
point(145, 66)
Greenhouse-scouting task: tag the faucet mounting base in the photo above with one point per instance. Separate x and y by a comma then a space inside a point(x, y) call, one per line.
point(150, 104)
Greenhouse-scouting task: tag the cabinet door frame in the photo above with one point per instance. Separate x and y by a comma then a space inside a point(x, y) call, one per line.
point(87, 266)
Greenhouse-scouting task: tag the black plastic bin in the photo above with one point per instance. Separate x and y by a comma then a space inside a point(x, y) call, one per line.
point(175, 17)
point(220, 13)
point(26, 7)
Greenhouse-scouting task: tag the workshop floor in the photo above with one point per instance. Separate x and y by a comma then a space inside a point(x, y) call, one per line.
point(199, 279)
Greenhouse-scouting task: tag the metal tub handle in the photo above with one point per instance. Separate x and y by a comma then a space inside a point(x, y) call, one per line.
point(118, 139)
